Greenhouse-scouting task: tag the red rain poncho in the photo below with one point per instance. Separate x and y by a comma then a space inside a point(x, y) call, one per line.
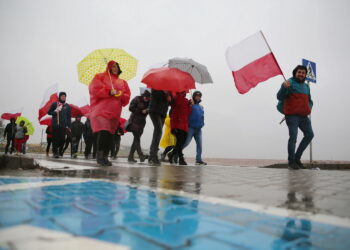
point(106, 109)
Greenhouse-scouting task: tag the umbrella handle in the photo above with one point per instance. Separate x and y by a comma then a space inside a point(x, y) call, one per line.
point(58, 118)
point(110, 79)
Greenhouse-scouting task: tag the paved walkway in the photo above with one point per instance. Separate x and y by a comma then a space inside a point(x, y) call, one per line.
point(172, 207)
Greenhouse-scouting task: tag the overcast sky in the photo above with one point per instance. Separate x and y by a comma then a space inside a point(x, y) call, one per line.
point(42, 41)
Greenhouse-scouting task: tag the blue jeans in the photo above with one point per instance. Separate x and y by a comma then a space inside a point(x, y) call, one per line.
point(294, 122)
point(197, 134)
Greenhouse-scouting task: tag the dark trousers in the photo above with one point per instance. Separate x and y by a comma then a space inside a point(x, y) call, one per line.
point(49, 141)
point(67, 141)
point(89, 141)
point(12, 142)
point(167, 150)
point(75, 144)
point(158, 122)
point(180, 141)
point(115, 145)
point(136, 145)
point(104, 142)
point(58, 138)
point(304, 124)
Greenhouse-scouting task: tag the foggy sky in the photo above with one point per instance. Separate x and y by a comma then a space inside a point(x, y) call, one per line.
point(42, 42)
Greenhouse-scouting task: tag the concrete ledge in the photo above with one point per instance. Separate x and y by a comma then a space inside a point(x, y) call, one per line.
point(322, 166)
point(17, 162)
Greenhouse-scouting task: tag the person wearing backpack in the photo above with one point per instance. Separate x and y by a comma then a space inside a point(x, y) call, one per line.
point(295, 103)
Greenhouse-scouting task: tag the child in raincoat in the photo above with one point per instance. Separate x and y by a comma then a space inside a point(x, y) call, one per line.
point(168, 140)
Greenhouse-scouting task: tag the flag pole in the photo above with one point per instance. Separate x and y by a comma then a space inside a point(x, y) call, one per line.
point(268, 45)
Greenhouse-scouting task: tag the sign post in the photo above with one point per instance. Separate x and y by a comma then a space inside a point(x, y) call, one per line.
point(310, 77)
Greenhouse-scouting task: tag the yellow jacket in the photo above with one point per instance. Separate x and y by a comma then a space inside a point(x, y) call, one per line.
point(168, 138)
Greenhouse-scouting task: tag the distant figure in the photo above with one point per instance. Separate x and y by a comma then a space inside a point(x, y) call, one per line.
point(138, 108)
point(108, 94)
point(88, 138)
point(181, 109)
point(296, 104)
point(21, 131)
point(116, 142)
point(9, 133)
point(77, 128)
point(157, 109)
point(48, 139)
point(168, 140)
point(61, 121)
point(196, 122)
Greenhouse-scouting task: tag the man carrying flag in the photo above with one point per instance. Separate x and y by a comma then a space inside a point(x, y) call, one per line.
point(295, 103)
point(61, 122)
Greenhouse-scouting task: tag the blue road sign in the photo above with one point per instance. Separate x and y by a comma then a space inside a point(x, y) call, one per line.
point(311, 70)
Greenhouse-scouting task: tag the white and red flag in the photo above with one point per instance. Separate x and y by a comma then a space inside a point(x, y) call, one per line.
point(80, 107)
point(12, 113)
point(50, 96)
point(251, 62)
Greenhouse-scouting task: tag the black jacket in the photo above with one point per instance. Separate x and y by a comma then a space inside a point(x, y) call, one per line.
point(10, 130)
point(158, 103)
point(65, 115)
point(77, 129)
point(137, 119)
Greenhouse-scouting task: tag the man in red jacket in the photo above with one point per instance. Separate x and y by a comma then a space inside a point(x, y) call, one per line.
point(181, 109)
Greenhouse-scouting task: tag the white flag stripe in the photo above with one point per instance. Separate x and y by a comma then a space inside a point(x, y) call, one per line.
point(247, 51)
point(51, 90)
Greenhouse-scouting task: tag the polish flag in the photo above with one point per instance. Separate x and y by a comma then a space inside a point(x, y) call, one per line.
point(47, 121)
point(251, 62)
point(11, 113)
point(81, 107)
point(50, 96)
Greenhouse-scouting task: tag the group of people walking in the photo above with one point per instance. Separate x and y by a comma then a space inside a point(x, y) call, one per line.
point(183, 119)
point(16, 135)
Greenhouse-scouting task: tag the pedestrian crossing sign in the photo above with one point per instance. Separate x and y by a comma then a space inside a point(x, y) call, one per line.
point(311, 70)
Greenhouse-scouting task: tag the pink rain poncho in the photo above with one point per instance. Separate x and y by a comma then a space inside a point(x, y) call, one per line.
point(106, 109)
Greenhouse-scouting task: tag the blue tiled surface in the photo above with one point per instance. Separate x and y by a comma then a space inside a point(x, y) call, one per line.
point(4, 181)
point(144, 219)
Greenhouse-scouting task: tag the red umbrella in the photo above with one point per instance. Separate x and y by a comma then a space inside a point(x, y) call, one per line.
point(47, 121)
point(169, 79)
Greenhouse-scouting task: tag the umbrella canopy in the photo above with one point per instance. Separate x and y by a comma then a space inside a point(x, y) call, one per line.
point(27, 123)
point(96, 62)
point(198, 71)
point(75, 110)
point(47, 121)
point(169, 79)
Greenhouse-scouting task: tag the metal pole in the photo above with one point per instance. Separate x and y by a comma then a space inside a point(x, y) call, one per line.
point(308, 83)
point(41, 141)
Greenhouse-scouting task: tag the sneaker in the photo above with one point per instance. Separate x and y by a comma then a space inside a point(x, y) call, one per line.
point(293, 166)
point(182, 161)
point(153, 161)
point(132, 160)
point(201, 163)
point(300, 165)
point(143, 158)
point(56, 156)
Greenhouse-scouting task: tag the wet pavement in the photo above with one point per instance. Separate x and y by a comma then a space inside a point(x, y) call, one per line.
point(173, 207)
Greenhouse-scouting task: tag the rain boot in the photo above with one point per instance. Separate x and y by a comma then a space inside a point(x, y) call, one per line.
point(99, 158)
point(105, 159)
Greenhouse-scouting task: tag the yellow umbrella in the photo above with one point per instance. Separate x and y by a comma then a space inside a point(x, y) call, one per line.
point(27, 123)
point(96, 62)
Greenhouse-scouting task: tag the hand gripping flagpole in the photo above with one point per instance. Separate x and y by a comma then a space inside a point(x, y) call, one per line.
point(276, 63)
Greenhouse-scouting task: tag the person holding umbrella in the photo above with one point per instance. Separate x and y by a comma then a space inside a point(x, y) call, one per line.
point(61, 121)
point(108, 94)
